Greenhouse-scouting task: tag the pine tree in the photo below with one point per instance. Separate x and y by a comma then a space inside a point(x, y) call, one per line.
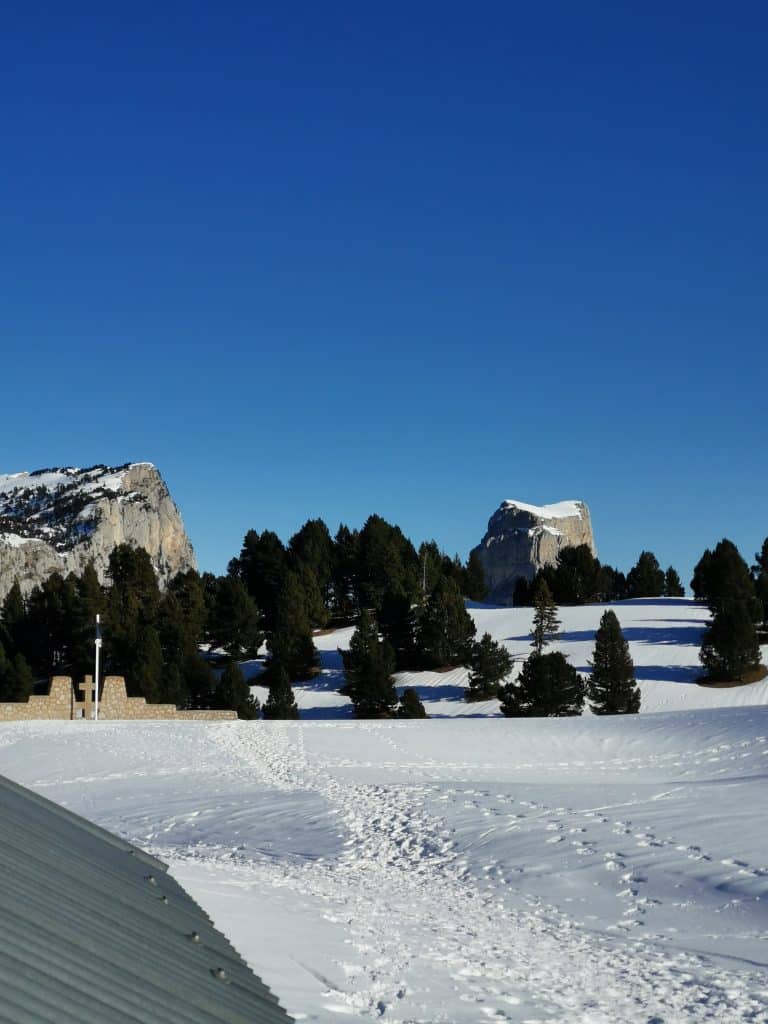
point(729, 649)
point(368, 667)
point(131, 640)
point(410, 706)
point(233, 692)
point(760, 575)
point(262, 567)
point(546, 625)
point(548, 686)
point(398, 627)
point(612, 689)
point(16, 679)
point(386, 560)
point(344, 581)
point(312, 546)
point(646, 578)
point(672, 585)
point(475, 587)
point(280, 704)
point(576, 578)
point(722, 577)
point(290, 642)
point(489, 664)
point(233, 619)
point(445, 629)
point(14, 617)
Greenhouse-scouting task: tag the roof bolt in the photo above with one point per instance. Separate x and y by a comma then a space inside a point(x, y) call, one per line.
point(220, 973)
point(195, 936)
point(165, 899)
point(151, 879)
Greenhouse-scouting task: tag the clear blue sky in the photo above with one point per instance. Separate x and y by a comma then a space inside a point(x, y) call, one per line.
point(324, 259)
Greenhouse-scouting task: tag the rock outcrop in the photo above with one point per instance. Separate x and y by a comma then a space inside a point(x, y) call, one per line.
point(523, 538)
point(58, 520)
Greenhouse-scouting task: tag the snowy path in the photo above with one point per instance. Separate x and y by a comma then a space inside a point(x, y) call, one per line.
point(588, 871)
point(414, 911)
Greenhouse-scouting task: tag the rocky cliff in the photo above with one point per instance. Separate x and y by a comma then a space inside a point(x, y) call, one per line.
point(60, 519)
point(523, 538)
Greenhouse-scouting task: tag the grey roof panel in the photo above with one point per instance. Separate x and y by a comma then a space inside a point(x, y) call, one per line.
point(94, 929)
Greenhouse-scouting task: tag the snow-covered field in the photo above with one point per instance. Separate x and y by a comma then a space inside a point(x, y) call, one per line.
point(664, 637)
point(464, 869)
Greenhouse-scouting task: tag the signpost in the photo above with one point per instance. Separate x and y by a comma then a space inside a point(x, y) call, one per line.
point(97, 643)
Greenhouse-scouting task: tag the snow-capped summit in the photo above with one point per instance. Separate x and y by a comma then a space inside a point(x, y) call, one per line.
point(522, 538)
point(60, 519)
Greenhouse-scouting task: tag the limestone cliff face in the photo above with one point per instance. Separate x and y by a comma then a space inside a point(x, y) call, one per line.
point(523, 538)
point(58, 520)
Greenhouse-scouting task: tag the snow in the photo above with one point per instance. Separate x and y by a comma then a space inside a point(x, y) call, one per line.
point(664, 636)
point(468, 868)
point(13, 540)
point(588, 870)
point(559, 510)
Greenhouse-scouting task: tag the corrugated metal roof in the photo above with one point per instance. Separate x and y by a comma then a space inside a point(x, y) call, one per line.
point(95, 931)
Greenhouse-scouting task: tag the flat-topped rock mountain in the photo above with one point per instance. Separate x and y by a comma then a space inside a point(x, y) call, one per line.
point(58, 520)
point(523, 538)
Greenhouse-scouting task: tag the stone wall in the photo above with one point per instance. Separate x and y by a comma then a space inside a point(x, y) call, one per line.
point(61, 703)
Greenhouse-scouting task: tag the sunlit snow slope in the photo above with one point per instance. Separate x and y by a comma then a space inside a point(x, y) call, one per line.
point(664, 636)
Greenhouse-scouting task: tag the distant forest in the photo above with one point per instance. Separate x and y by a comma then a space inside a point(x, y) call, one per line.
point(183, 645)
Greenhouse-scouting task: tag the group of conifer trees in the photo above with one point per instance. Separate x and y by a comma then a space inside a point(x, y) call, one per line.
point(578, 577)
point(548, 685)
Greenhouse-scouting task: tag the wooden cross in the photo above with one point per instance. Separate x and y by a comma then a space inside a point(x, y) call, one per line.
point(87, 690)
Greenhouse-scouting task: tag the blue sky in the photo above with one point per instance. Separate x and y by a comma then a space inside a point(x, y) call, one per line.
point(334, 259)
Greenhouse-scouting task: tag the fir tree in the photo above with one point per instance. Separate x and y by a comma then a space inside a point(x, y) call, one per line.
point(410, 706)
point(646, 578)
point(445, 629)
point(281, 703)
point(290, 642)
point(672, 585)
point(16, 679)
point(233, 692)
point(474, 578)
point(368, 667)
point(546, 625)
point(398, 627)
point(489, 665)
point(233, 619)
point(760, 575)
point(548, 686)
point(729, 649)
point(722, 577)
point(612, 689)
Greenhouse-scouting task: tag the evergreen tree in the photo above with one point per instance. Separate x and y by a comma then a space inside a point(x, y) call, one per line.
point(398, 627)
point(131, 640)
point(368, 667)
point(90, 602)
point(344, 583)
point(474, 586)
point(672, 585)
point(280, 704)
point(50, 621)
point(722, 577)
point(613, 584)
point(546, 625)
point(233, 692)
point(290, 642)
point(646, 578)
point(760, 574)
point(612, 689)
point(195, 678)
point(386, 560)
point(14, 617)
point(521, 595)
point(410, 706)
point(445, 629)
point(262, 567)
point(489, 665)
point(729, 649)
point(312, 546)
point(16, 679)
point(548, 686)
point(233, 619)
point(576, 578)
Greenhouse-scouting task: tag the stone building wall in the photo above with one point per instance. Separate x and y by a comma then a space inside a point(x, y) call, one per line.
point(61, 703)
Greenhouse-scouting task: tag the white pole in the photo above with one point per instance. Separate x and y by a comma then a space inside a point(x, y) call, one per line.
point(96, 673)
